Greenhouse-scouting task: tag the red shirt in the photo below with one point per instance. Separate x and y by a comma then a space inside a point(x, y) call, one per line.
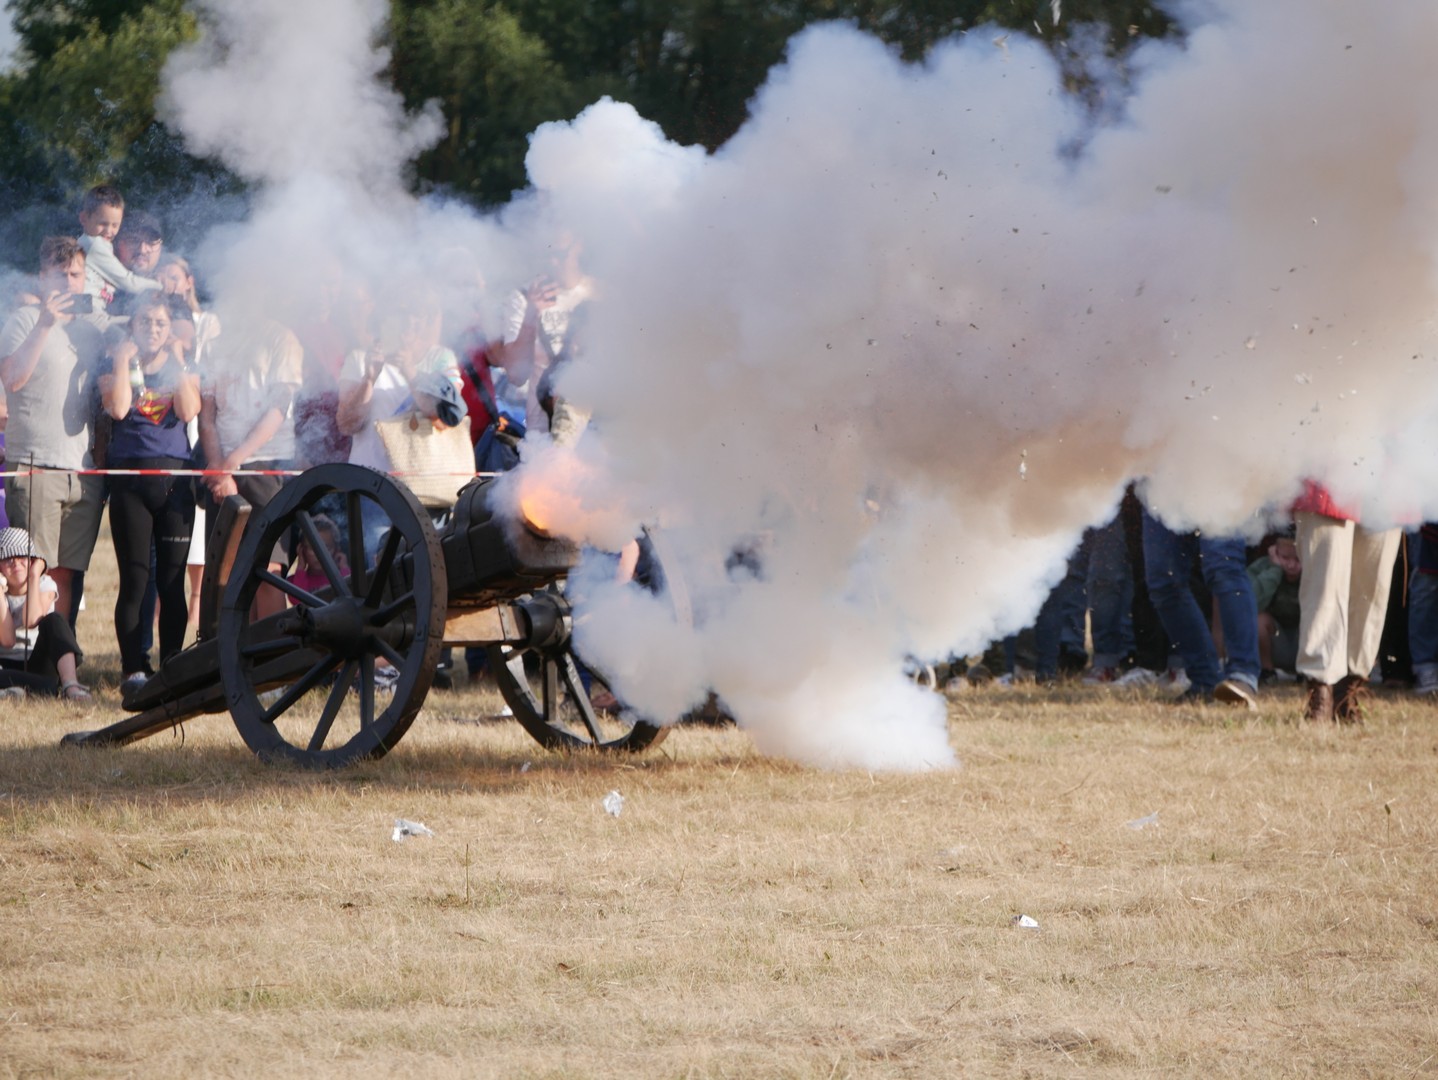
point(1316, 500)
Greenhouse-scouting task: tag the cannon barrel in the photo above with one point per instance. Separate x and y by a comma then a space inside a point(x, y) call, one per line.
point(491, 556)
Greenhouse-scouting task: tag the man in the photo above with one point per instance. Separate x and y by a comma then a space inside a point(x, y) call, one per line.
point(48, 358)
point(140, 243)
point(1169, 559)
point(1342, 603)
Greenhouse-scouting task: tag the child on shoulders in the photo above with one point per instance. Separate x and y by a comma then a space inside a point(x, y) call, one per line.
point(101, 214)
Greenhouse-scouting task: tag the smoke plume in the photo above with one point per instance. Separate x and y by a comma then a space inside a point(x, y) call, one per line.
point(872, 367)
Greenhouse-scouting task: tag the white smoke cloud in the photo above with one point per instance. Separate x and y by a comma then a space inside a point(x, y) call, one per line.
point(847, 330)
point(290, 96)
point(898, 342)
point(283, 91)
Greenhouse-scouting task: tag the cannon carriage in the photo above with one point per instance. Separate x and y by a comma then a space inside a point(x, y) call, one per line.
point(300, 683)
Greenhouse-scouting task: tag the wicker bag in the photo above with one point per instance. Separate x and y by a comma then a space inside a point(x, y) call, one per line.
point(432, 460)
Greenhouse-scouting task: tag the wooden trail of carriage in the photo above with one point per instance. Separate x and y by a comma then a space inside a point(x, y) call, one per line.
point(300, 684)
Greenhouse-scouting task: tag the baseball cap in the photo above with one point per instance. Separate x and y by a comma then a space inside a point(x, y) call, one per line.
point(138, 225)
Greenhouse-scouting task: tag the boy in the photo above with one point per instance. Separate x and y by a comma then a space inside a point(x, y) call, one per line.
point(101, 214)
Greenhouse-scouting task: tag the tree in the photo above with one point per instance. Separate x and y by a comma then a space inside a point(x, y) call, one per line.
point(495, 82)
point(80, 110)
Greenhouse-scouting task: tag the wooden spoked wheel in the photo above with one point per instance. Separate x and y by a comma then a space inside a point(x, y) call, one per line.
point(302, 684)
point(543, 687)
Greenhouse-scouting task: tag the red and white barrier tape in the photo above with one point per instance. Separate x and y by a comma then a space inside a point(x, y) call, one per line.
point(204, 472)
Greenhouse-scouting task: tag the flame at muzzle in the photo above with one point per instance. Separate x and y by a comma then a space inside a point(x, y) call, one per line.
point(493, 555)
point(556, 494)
point(535, 511)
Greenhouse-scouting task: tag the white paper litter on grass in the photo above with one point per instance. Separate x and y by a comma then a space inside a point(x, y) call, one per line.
point(614, 804)
point(1143, 822)
point(1024, 922)
point(403, 830)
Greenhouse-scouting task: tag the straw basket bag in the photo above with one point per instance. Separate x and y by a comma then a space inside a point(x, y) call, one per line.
point(432, 460)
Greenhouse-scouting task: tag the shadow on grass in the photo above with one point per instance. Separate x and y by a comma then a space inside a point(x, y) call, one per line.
point(205, 759)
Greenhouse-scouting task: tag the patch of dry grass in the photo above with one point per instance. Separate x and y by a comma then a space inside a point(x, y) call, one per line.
point(176, 908)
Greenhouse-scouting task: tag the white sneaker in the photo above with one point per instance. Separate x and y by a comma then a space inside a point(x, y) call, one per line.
point(12, 693)
point(1136, 677)
point(1175, 680)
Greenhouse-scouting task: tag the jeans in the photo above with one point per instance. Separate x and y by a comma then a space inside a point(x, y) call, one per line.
point(1168, 561)
point(1110, 595)
point(1423, 619)
point(1097, 581)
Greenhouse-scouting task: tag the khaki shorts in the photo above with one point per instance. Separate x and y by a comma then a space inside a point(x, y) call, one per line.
point(61, 511)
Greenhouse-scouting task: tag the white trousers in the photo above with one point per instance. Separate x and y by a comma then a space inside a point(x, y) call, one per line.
point(1342, 595)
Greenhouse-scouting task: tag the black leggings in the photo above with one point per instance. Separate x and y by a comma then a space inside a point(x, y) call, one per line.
point(54, 638)
point(143, 508)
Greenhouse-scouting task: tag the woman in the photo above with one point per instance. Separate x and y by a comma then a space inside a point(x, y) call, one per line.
point(151, 394)
point(401, 374)
point(190, 325)
point(38, 650)
point(196, 329)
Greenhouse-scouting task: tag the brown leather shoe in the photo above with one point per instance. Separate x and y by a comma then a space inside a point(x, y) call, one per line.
point(1349, 698)
point(1320, 703)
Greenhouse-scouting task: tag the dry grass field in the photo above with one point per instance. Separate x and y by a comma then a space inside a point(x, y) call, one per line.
point(175, 908)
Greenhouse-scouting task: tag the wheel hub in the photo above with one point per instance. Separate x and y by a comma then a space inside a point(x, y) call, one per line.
point(339, 626)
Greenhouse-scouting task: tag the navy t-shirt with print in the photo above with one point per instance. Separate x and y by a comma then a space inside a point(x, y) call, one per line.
point(151, 429)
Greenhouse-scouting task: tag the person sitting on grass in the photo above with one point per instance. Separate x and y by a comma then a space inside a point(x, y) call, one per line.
point(1275, 577)
point(38, 650)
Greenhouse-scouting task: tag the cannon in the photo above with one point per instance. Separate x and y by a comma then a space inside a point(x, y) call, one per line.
point(300, 682)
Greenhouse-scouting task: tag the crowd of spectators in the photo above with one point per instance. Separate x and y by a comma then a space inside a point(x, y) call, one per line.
point(1326, 603)
point(123, 392)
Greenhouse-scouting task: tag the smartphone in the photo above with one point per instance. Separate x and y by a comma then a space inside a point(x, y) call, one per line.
point(82, 304)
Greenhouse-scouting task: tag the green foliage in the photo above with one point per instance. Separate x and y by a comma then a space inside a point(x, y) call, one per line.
point(80, 110)
point(81, 106)
point(495, 81)
point(83, 110)
point(46, 26)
